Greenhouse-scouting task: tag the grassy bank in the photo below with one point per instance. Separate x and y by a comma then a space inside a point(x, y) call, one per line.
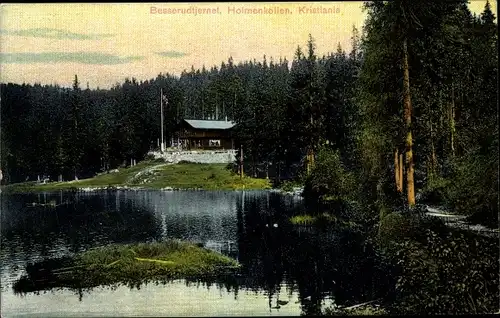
point(126, 264)
point(156, 175)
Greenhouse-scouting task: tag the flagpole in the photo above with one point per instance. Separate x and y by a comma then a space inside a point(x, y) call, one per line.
point(161, 103)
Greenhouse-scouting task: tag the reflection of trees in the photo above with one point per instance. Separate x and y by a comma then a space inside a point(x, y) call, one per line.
point(263, 249)
point(77, 225)
point(317, 263)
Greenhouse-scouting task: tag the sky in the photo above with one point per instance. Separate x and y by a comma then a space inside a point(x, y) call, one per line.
point(105, 43)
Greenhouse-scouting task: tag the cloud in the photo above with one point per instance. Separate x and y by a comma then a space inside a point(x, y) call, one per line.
point(63, 57)
point(55, 34)
point(172, 54)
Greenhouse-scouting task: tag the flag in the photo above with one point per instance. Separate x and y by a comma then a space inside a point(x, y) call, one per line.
point(165, 99)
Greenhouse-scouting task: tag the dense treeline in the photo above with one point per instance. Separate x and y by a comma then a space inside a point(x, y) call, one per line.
point(425, 112)
point(452, 128)
point(412, 107)
point(54, 131)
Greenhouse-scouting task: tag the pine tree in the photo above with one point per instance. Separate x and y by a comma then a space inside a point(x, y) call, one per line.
point(76, 145)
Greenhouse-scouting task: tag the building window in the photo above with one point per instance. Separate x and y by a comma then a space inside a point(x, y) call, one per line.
point(214, 143)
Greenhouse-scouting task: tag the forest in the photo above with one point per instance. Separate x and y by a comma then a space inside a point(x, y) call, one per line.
point(410, 111)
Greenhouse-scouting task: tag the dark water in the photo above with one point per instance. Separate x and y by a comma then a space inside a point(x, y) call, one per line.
point(286, 270)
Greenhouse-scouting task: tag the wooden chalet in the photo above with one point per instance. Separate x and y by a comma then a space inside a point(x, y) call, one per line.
point(205, 134)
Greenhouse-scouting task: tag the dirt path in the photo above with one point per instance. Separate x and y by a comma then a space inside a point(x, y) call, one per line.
point(459, 221)
point(145, 171)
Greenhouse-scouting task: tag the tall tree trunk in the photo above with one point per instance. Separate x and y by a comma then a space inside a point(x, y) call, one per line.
point(409, 140)
point(396, 170)
point(401, 175)
point(309, 161)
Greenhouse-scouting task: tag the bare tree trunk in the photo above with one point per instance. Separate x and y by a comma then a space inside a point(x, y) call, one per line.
point(409, 139)
point(401, 175)
point(396, 170)
point(309, 160)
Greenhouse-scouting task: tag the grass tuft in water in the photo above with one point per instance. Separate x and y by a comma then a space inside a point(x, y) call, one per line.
point(127, 264)
point(307, 219)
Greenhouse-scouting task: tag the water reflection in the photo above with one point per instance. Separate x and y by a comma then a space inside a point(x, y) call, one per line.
point(283, 265)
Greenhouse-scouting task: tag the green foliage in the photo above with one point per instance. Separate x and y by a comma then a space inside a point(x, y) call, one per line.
point(325, 219)
point(438, 270)
point(437, 190)
point(448, 274)
point(289, 186)
point(303, 219)
point(393, 228)
point(453, 118)
point(474, 189)
point(329, 179)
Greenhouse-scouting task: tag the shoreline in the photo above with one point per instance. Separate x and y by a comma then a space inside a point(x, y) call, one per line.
point(295, 193)
point(149, 175)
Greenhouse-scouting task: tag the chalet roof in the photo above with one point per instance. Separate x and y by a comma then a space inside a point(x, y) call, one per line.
point(210, 124)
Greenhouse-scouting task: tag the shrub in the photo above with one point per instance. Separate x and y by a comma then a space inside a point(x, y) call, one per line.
point(393, 228)
point(473, 187)
point(437, 190)
point(329, 178)
point(448, 274)
point(288, 185)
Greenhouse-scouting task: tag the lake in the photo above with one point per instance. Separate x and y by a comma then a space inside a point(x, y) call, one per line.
point(287, 270)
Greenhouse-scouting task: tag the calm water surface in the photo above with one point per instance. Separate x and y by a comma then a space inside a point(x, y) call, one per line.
point(286, 270)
